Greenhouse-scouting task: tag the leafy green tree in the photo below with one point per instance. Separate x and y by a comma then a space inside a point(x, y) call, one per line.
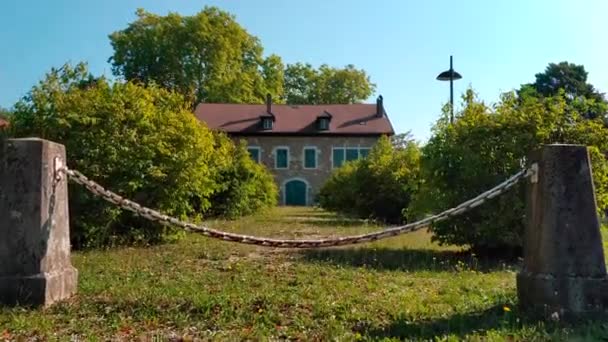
point(326, 85)
point(486, 145)
point(299, 83)
point(402, 140)
point(5, 113)
point(141, 142)
point(273, 75)
point(572, 80)
point(206, 57)
point(380, 186)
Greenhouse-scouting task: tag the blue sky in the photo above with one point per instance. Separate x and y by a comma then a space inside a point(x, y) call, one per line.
point(402, 44)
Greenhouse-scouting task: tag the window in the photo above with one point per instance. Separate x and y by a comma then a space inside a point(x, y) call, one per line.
point(310, 158)
point(281, 158)
point(323, 124)
point(344, 154)
point(338, 157)
point(267, 123)
point(254, 152)
point(352, 154)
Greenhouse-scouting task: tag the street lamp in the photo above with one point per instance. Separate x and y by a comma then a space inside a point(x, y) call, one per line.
point(450, 75)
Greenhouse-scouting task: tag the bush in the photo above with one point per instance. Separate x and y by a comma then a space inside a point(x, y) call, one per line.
point(380, 186)
point(143, 143)
point(483, 147)
point(245, 186)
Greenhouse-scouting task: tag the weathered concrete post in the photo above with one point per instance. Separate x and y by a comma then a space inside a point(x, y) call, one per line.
point(564, 269)
point(35, 267)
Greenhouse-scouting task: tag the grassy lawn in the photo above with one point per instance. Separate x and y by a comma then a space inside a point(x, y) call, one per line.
point(401, 288)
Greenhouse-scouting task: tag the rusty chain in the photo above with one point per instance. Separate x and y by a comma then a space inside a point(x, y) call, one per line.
point(156, 216)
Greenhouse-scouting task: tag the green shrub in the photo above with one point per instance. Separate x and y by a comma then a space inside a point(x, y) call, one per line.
point(245, 186)
point(340, 191)
point(380, 186)
point(485, 146)
point(143, 143)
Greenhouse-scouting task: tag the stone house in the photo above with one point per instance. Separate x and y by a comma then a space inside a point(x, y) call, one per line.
point(300, 144)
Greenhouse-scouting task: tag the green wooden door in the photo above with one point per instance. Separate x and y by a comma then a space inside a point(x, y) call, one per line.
point(295, 193)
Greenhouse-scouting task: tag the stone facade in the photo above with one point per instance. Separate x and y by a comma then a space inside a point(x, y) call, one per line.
point(313, 178)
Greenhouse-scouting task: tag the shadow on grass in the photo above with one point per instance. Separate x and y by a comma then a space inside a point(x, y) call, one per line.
point(332, 222)
point(408, 259)
point(496, 317)
point(459, 325)
point(213, 315)
point(313, 214)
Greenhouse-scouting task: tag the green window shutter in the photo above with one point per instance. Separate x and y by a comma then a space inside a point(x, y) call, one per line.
point(338, 157)
point(281, 161)
point(310, 158)
point(363, 152)
point(352, 154)
point(254, 153)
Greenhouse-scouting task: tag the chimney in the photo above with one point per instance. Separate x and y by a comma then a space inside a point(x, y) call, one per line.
point(268, 103)
point(379, 107)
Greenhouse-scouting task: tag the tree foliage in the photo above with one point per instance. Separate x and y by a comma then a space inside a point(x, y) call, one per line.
point(486, 145)
point(141, 142)
point(326, 85)
point(402, 140)
point(206, 57)
point(380, 186)
point(5, 113)
point(209, 57)
point(572, 80)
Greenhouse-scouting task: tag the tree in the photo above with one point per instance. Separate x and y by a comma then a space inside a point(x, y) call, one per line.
point(5, 113)
point(299, 83)
point(484, 147)
point(572, 79)
point(273, 75)
point(402, 140)
point(141, 142)
point(326, 85)
point(205, 57)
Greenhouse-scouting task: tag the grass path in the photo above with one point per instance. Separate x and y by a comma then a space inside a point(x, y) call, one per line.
point(402, 288)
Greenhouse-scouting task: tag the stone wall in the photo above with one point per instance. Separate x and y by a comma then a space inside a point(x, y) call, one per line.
point(314, 178)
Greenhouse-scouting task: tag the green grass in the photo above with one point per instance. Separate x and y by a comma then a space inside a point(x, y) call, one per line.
point(401, 288)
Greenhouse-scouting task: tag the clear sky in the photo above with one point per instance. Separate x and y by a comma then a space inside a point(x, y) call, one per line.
point(402, 44)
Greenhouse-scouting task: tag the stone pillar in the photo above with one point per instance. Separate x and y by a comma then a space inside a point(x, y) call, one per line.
point(35, 267)
point(564, 269)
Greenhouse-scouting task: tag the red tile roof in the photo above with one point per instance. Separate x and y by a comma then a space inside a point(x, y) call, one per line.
point(346, 119)
point(3, 123)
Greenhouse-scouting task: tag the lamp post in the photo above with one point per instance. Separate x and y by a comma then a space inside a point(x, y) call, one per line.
point(450, 75)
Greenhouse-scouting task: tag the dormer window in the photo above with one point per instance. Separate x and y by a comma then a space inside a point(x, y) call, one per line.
point(323, 121)
point(266, 123)
point(323, 124)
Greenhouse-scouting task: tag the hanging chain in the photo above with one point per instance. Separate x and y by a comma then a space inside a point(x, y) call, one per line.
point(156, 216)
